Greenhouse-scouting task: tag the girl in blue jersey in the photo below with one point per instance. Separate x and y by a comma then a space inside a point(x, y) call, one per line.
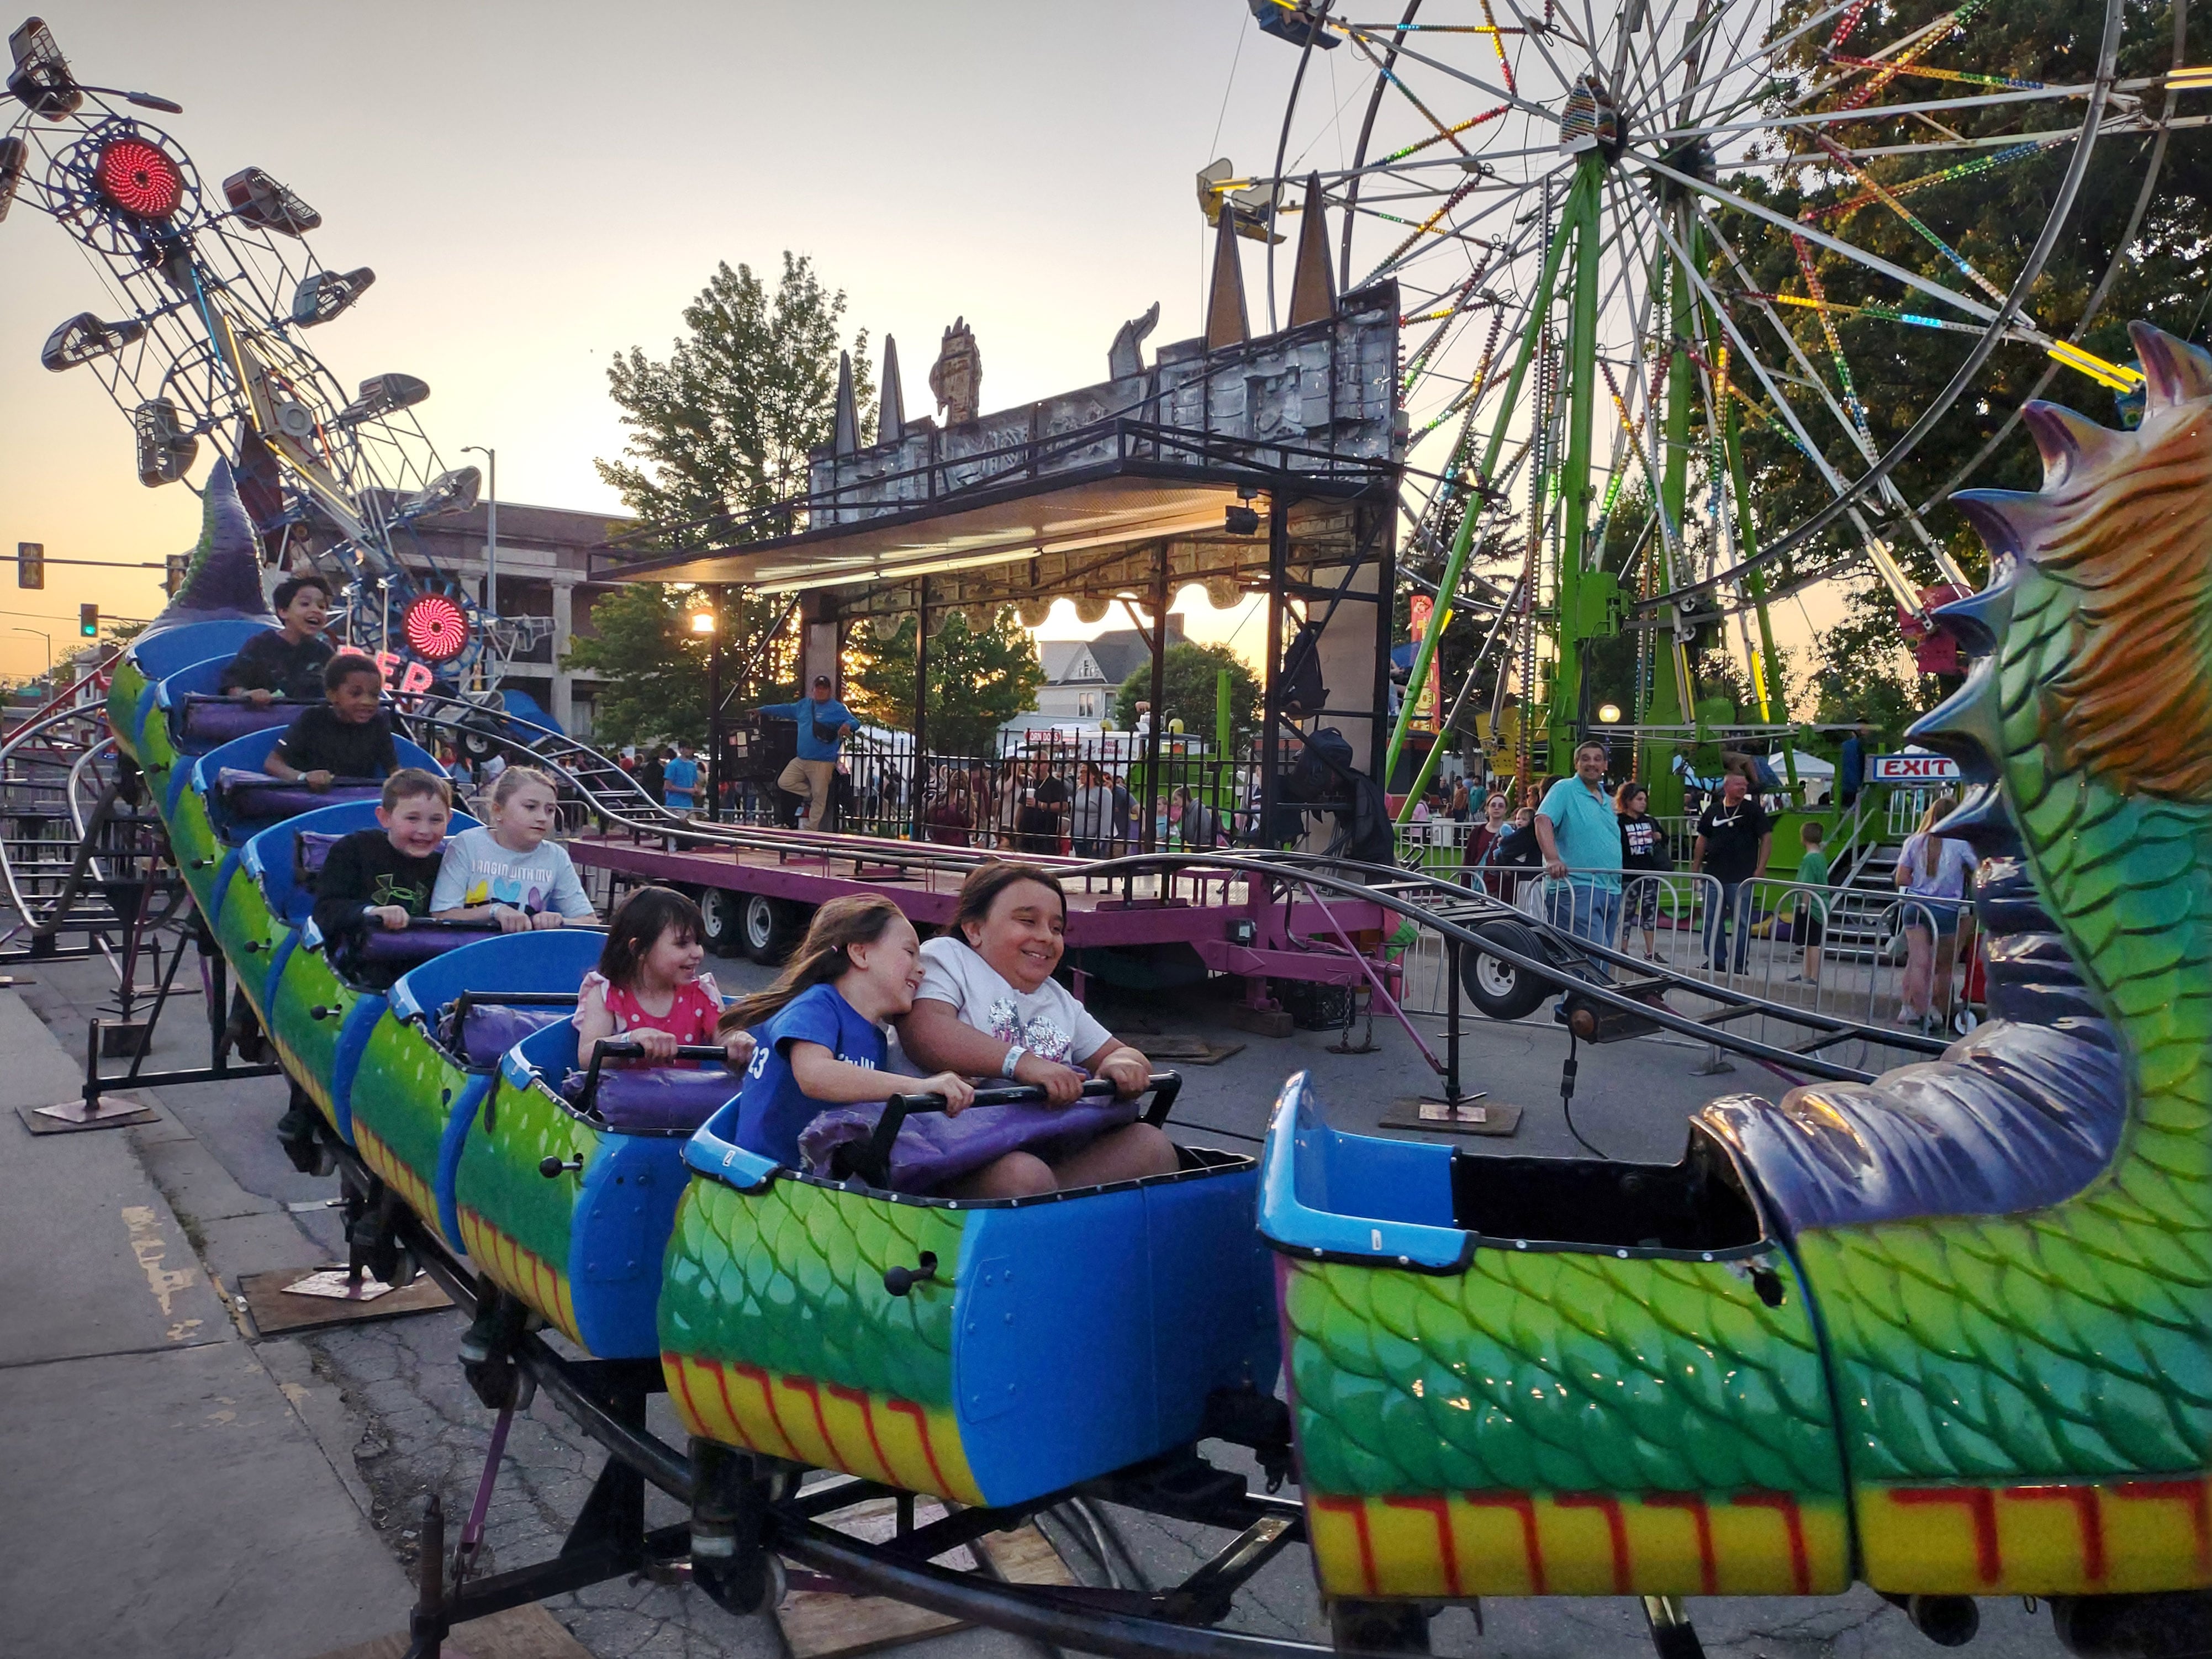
point(819, 1028)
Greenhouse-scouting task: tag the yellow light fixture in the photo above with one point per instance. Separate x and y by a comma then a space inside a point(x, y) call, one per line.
point(1608, 713)
point(702, 622)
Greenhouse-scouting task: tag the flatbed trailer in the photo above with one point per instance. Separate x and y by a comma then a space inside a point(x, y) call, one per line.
point(757, 885)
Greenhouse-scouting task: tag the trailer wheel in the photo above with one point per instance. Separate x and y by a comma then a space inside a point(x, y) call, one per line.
point(770, 927)
point(1494, 985)
point(719, 909)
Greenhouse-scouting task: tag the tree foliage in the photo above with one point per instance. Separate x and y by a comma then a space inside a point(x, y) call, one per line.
point(1188, 677)
point(721, 429)
point(977, 680)
point(719, 433)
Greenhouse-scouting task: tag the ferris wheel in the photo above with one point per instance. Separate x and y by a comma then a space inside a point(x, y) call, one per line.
point(1654, 259)
point(202, 338)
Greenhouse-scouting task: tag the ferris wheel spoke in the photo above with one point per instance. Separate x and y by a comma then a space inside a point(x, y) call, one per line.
point(1504, 94)
point(1875, 550)
point(1814, 118)
point(1834, 244)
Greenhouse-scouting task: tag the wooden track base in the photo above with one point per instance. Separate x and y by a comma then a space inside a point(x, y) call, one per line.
point(274, 1310)
point(69, 1118)
point(830, 1625)
point(1498, 1119)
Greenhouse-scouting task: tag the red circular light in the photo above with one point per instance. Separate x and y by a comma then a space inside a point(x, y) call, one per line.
point(139, 177)
point(435, 626)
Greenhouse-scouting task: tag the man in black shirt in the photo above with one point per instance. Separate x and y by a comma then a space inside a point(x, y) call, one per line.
point(1733, 838)
point(286, 662)
point(346, 736)
point(383, 877)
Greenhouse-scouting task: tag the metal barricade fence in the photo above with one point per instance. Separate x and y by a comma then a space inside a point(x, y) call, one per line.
point(1750, 938)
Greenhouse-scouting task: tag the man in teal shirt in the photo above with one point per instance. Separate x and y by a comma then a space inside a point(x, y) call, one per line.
point(823, 723)
point(1580, 833)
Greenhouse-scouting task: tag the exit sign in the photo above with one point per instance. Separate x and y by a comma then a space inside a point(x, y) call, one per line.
point(1912, 768)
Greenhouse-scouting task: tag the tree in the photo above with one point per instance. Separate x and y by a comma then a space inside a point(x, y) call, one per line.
point(655, 668)
point(721, 428)
point(719, 434)
point(977, 681)
point(1188, 693)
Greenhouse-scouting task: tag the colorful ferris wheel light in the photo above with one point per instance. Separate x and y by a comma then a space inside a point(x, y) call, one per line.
point(435, 627)
point(139, 177)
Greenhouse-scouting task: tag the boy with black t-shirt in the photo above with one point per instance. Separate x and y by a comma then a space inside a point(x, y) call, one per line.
point(382, 877)
point(288, 661)
point(347, 736)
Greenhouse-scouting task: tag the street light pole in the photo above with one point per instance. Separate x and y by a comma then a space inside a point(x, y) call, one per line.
point(49, 639)
point(491, 526)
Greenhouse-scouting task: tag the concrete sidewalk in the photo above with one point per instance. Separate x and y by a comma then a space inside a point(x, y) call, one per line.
point(164, 1493)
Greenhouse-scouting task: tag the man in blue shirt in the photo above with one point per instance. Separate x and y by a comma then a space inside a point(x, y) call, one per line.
point(1580, 833)
point(823, 724)
point(679, 781)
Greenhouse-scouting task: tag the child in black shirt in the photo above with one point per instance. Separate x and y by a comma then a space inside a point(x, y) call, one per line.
point(383, 877)
point(346, 736)
point(286, 662)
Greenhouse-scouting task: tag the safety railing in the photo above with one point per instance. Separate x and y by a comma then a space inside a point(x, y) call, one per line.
point(1874, 959)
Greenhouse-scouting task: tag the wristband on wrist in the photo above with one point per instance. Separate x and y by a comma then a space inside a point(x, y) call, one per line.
point(1013, 1059)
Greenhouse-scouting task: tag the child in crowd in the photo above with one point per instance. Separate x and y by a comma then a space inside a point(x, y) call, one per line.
point(819, 1027)
point(344, 736)
point(649, 987)
point(382, 877)
point(1643, 855)
point(1812, 910)
point(288, 661)
point(507, 870)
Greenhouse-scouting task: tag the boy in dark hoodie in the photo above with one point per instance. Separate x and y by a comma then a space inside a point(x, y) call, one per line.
point(382, 877)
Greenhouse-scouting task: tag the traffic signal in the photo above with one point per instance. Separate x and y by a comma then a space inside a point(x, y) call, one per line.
point(30, 564)
point(87, 621)
point(179, 563)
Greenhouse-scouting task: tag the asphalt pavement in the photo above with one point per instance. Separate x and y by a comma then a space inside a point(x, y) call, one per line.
point(177, 1489)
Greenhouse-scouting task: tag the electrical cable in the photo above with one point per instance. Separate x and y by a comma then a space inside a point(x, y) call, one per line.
point(1567, 1070)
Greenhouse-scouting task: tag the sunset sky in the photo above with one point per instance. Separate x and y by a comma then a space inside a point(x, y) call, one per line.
point(539, 185)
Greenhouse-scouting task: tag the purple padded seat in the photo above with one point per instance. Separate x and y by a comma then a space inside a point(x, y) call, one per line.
point(256, 795)
point(410, 945)
point(490, 1029)
point(933, 1151)
point(635, 1097)
point(208, 722)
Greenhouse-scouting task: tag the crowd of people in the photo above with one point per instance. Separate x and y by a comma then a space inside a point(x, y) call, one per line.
point(1590, 844)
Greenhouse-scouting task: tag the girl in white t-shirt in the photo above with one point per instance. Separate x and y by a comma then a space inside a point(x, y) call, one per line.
point(988, 1006)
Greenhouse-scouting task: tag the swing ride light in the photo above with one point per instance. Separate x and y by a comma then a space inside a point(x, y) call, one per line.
point(137, 176)
point(435, 626)
point(323, 295)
